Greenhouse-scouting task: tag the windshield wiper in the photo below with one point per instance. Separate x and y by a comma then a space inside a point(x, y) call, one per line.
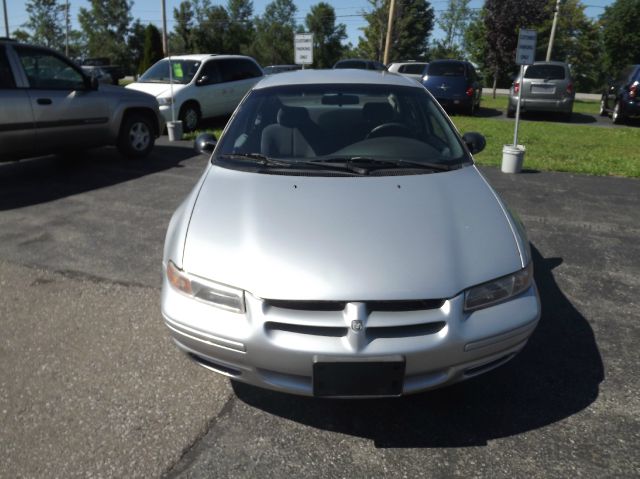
point(364, 161)
point(257, 158)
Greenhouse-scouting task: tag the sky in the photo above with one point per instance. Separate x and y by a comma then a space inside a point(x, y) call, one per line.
point(348, 12)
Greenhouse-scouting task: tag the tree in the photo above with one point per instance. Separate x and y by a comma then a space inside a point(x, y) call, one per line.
point(502, 20)
point(45, 25)
point(327, 36)
point(135, 42)
point(620, 33)
point(454, 22)
point(183, 30)
point(106, 27)
point(208, 35)
point(411, 30)
point(153, 51)
point(240, 32)
point(577, 42)
point(273, 43)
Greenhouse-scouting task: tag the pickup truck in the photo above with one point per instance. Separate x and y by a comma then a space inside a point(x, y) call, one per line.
point(48, 105)
point(116, 71)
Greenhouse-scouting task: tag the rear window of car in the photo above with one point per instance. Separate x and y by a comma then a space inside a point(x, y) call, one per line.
point(446, 69)
point(412, 69)
point(547, 72)
point(350, 64)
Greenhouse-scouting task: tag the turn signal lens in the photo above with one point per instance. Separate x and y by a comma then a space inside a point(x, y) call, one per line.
point(516, 87)
point(498, 290)
point(633, 90)
point(469, 91)
point(178, 279)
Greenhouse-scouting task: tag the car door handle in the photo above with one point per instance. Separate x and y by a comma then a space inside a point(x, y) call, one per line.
point(44, 101)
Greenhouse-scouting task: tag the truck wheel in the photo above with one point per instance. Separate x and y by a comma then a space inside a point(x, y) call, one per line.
point(136, 136)
point(190, 117)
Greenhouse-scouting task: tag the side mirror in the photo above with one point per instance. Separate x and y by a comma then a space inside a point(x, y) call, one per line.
point(205, 143)
point(474, 141)
point(203, 80)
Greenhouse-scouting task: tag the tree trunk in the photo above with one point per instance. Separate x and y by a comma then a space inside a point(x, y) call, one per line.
point(495, 82)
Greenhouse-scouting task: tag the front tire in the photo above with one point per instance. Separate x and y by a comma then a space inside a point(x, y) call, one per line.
point(136, 138)
point(190, 117)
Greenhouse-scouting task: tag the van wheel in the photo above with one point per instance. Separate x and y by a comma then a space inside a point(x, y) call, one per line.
point(136, 138)
point(190, 117)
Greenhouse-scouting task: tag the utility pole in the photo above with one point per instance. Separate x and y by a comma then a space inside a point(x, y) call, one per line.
point(66, 35)
point(165, 47)
point(6, 19)
point(553, 30)
point(387, 45)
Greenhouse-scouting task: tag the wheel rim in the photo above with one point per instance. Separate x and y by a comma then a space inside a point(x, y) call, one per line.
point(616, 112)
point(190, 119)
point(139, 136)
point(601, 107)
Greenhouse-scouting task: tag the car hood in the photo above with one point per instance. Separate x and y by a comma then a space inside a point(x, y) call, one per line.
point(156, 89)
point(349, 238)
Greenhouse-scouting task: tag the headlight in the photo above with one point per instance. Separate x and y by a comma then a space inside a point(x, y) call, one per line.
point(224, 297)
point(165, 101)
point(499, 289)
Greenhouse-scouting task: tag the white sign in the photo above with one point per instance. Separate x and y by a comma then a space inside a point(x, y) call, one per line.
point(303, 48)
point(526, 52)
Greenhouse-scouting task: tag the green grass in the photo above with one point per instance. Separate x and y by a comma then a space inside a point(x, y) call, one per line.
point(555, 146)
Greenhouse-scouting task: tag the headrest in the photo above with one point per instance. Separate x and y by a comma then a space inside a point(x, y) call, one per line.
point(292, 116)
point(377, 112)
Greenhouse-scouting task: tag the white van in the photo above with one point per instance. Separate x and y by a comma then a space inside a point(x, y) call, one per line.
point(204, 86)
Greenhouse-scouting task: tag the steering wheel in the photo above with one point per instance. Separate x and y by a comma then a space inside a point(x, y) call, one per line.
point(390, 129)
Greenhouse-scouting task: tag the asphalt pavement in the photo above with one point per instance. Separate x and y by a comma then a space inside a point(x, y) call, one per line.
point(90, 384)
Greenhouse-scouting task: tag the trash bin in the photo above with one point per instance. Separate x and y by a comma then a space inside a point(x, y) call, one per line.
point(512, 158)
point(174, 128)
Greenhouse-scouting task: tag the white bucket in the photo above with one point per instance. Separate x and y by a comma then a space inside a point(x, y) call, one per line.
point(512, 158)
point(174, 129)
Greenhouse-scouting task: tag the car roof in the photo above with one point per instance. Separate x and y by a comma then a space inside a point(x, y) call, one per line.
point(346, 76)
point(203, 56)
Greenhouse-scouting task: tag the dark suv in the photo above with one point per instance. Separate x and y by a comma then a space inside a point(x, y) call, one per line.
point(621, 97)
point(455, 84)
point(48, 105)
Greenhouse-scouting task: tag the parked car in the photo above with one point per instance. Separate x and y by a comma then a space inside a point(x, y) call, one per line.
point(547, 86)
point(272, 69)
point(98, 73)
point(360, 64)
point(621, 98)
point(116, 72)
point(411, 69)
point(50, 105)
point(204, 86)
point(341, 242)
point(455, 84)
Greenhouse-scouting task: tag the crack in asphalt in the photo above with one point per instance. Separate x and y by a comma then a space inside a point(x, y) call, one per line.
point(190, 453)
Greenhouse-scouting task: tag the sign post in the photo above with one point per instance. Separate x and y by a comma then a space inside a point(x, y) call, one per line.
point(513, 155)
point(525, 55)
point(303, 49)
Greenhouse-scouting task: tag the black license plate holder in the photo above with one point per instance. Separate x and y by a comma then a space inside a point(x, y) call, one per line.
point(346, 377)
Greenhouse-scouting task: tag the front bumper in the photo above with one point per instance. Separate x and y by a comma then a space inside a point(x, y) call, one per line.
point(274, 347)
point(455, 104)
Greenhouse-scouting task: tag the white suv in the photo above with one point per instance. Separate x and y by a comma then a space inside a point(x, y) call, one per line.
point(203, 85)
point(413, 70)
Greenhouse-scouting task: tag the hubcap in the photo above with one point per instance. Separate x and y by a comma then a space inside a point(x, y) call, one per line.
point(191, 119)
point(601, 107)
point(139, 136)
point(616, 110)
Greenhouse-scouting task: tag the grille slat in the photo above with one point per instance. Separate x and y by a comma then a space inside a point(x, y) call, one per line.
point(372, 306)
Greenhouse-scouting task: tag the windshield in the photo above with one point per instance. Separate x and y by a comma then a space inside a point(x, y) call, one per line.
point(314, 123)
point(182, 71)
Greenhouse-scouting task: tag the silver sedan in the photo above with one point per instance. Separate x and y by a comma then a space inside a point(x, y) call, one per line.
point(342, 243)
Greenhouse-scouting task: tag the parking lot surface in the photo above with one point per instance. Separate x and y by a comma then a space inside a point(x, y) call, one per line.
point(90, 384)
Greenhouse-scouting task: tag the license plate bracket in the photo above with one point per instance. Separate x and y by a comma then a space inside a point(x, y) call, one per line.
point(346, 377)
